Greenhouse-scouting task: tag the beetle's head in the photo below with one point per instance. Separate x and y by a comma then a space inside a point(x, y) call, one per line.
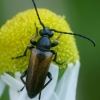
point(46, 31)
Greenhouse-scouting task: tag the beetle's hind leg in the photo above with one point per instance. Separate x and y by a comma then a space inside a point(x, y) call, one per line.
point(50, 77)
point(21, 77)
point(39, 95)
point(21, 89)
point(28, 47)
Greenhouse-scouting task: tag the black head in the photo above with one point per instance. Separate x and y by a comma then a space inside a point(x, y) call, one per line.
point(49, 32)
point(46, 31)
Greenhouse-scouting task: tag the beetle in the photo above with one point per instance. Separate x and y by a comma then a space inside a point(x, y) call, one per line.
point(41, 56)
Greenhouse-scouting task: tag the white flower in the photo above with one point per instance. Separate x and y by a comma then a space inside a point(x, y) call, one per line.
point(65, 89)
point(2, 86)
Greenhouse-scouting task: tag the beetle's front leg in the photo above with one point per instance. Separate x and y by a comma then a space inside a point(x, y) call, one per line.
point(28, 47)
point(36, 32)
point(55, 43)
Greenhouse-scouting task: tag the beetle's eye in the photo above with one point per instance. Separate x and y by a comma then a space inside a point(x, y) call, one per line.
point(41, 32)
point(50, 34)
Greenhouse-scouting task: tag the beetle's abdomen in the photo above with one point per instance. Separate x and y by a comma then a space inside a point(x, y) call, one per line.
point(37, 71)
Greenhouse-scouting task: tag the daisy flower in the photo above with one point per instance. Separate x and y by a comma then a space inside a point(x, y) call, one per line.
point(15, 36)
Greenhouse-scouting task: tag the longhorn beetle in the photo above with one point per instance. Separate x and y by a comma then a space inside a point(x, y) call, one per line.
point(40, 58)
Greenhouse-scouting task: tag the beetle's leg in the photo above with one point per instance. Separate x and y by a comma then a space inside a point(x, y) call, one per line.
point(55, 53)
point(31, 40)
point(50, 77)
point(55, 43)
point(21, 77)
point(39, 95)
point(35, 36)
point(21, 89)
point(28, 47)
point(36, 32)
point(58, 37)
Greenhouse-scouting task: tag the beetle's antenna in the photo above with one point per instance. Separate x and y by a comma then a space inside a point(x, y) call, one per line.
point(38, 14)
point(75, 35)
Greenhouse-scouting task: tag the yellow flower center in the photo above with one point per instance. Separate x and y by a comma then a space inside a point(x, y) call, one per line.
point(16, 33)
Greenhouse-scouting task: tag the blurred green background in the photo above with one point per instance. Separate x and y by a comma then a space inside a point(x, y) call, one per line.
point(84, 18)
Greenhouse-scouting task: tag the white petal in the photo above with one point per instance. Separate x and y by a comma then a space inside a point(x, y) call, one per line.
point(48, 90)
point(2, 86)
point(13, 94)
point(54, 96)
point(23, 95)
point(17, 76)
point(12, 82)
point(66, 88)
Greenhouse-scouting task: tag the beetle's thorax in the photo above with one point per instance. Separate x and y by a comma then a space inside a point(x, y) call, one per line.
point(44, 43)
